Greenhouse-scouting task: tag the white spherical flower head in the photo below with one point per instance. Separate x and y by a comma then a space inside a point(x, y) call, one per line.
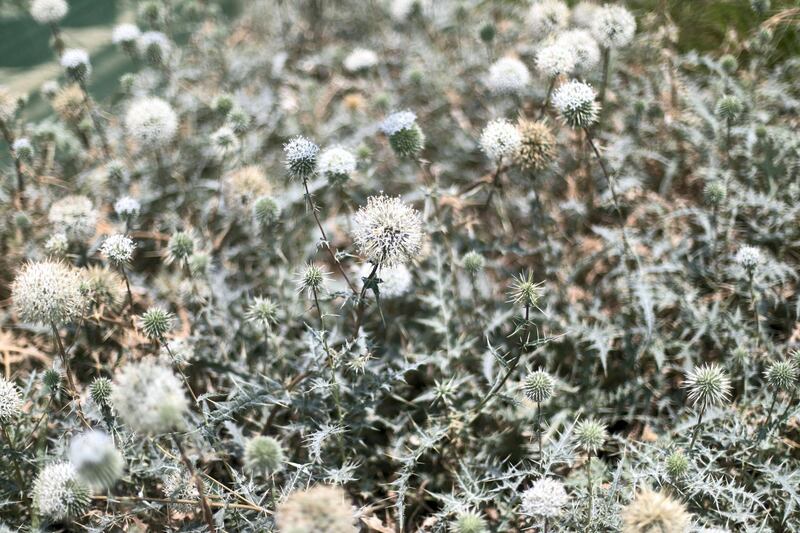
point(555, 59)
point(151, 121)
point(58, 493)
point(360, 59)
point(613, 26)
point(336, 162)
point(508, 75)
point(149, 397)
point(708, 385)
point(154, 45)
point(127, 207)
point(118, 249)
point(49, 11)
point(125, 34)
point(300, 157)
point(10, 401)
point(75, 216)
point(48, 292)
point(76, 63)
point(95, 458)
point(575, 100)
point(395, 281)
point(398, 121)
point(547, 16)
point(500, 139)
point(583, 46)
point(387, 231)
point(583, 14)
point(748, 257)
point(224, 141)
point(546, 498)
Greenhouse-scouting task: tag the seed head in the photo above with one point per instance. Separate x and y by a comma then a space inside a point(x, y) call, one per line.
point(473, 262)
point(590, 435)
point(655, 511)
point(96, 460)
point(781, 375)
point(151, 122)
point(508, 75)
point(57, 244)
point(468, 522)
point(312, 279)
point(575, 101)
point(547, 16)
point(524, 291)
point(49, 11)
point(613, 26)
point(546, 498)
point(76, 64)
point(263, 455)
point(118, 249)
point(539, 386)
point(300, 157)
point(10, 401)
point(537, 147)
point(48, 292)
point(387, 232)
point(68, 104)
point(337, 164)
point(58, 493)
point(263, 311)
point(708, 385)
point(178, 485)
point(156, 322)
point(500, 139)
point(149, 397)
point(321, 508)
point(75, 216)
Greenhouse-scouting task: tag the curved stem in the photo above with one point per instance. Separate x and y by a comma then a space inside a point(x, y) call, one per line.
point(207, 516)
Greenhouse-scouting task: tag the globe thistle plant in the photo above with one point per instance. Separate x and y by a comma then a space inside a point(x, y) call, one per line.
point(126, 35)
point(729, 108)
point(473, 262)
point(590, 435)
point(749, 258)
point(224, 142)
point(781, 375)
point(243, 187)
point(336, 164)
point(100, 391)
point(263, 311)
point(387, 232)
point(149, 397)
point(405, 136)
point(575, 102)
point(708, 385)
point(75, 216)
point(156, 322)
point(10, 401)
point(715, 192)
point(48, 11)
point(118, 249)
point(177, 484)
point(546, 17)
point(468, 522)
point(180, 246)
point(48, 292)
point(312, 279)
point(676, 465)
point(300, 157)
point(52, 379)
point(525, 292)
point(583, 47)
point(613, 26)
point(555, 59)
point(96, 460)
point(546, 498)
point(500, 139)
point(508, 75)
point(58, 493)
point(76, 65)
point(655, 511)
point(320, 508)
point(263, 455)
point(151, 122)
point(127, 208)
point(266, 211)
point(155, 46)
point(538, 386)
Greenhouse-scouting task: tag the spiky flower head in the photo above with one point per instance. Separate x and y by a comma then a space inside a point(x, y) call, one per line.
point(155, 46)
point(473, 262)
point(127, 208)
point(300, 157)
point(708, 385)
point(118, 249)
point(613, 26)
point(545, 498)
point(125, 34)
point(655, 512)
point(547, 16)
point(223, 103)
point(48, 11)
point(729, 108)
point(715, 192)
point(52, 380)
point(583, 46)
point(10, 401)
point(149, 397)
point(68, 104)
point(312, 279)
point(405, 136)
point(263, 311)
point(539, 386)
point(387, 231)
point(266, 211)
point(75, 216)
point(57, 244)
point(537, 148)
point(320, 508)
point(23, 149)
point(263, 455)
point(224, 142)
point(336, 164)
point(8, 104)
point(103, 286)
point(748, 257)
point(677, 465)
point(524, 291)
point(575, 101)
point(590, 435)
point(500, 139)
point(508, 75)
point(48, 292)
point(359, 60)
point(76, 64)
point(781, 375)
point(96, 460)
point(100, 391)
point(555, 59)
point(151, 122)
point(156, 322)
point(239, 120)
point(179, 247)
point(468, 522)
point(58, 493)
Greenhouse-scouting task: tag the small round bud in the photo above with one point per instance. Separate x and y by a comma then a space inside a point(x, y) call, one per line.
point(96, 460)
point(729, 108)
point(239, 120)
point(715, 192)
point(312, 279)
point(590, 435)
point(708, 385)
point(263, 311)
point(100, 391)
point(76, 64)
point(223, 104)
point(487, 32)
point(524, 291)
point(677, 465)
point(263, 455)
point(224, 142)
point(266, 211)
point(179, 247)
point(749, 258)
point(336, 164)
point(300, 157)
point(156, 322)
point(52, 380)
point(473, 262)
point(405, 136)
point(728, 63)
point(781, 375)
point(155, 46)
point(468, 522)
point(539, 386)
